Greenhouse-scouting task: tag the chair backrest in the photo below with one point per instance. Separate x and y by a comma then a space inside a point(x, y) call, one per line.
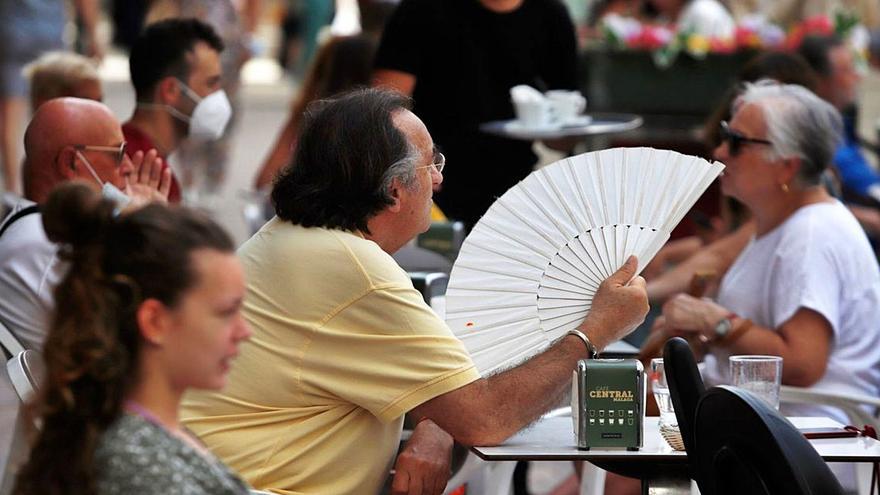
point(745, 446)
point(444, 238)
point(685, 389)
point(26, 371)
point(860, 409)
point(11, 346)
point(430, 284)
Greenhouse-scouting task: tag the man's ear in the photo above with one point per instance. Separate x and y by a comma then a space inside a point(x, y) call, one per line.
point(154, 321)
point(167, 91)
point(66, 163)
point(395, 191)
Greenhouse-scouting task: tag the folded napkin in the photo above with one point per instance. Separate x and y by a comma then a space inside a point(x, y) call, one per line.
point(524, 93)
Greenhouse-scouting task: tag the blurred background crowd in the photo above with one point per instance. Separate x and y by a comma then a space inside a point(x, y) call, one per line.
point(270, 46)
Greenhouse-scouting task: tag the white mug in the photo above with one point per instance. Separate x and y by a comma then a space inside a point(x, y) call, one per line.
point(565, 105)
point(533, 113)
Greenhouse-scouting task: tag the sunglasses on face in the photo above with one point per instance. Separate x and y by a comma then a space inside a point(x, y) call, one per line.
point(736, 140)
point(117, 151)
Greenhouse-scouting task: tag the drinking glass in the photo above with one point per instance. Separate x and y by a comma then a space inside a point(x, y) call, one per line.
point(661, 395)
point(760, 375)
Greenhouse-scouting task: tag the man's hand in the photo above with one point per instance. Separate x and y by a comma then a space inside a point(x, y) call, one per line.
point(619, 306)
point(423, 466)
point(151, 180)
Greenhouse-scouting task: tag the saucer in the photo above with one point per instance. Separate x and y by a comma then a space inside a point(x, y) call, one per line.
point(578, 121)
point(517, 126)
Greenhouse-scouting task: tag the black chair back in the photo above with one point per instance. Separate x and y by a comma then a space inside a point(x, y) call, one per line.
point(685, 389)
point(742, 445)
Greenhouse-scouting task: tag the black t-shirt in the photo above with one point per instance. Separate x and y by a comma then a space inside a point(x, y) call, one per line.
point(465, 59)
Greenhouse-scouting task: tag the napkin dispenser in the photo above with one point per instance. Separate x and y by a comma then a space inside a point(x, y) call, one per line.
point(608, 403)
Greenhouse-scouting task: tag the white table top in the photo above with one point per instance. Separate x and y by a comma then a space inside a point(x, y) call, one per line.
point(600, 123)
point(553, 439)
point(620, 348)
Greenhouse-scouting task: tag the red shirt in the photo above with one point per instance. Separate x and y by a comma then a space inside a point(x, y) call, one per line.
point(138, 141)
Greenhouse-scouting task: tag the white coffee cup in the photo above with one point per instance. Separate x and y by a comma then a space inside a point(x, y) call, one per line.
point(533, 113)
point(565, 106)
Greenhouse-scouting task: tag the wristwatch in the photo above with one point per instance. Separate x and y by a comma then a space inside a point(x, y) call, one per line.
point(722, 328)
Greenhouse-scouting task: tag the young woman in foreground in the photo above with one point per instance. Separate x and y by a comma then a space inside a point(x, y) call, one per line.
point(150, 307)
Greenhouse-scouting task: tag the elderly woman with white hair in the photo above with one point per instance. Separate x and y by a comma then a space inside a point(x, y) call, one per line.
point(807, 286)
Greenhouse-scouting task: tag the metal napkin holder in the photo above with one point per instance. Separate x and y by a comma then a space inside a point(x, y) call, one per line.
point(608, 404)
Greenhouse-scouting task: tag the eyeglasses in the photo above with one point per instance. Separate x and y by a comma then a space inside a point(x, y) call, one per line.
point(735, 140)
point(438, 163)
point(118, 151)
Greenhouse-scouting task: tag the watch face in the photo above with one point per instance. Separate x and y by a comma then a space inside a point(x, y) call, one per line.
point(723, 327)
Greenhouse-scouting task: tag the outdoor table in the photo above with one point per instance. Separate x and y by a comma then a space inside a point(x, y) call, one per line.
point(620, 349)
point(599, 123)
point(656, 463)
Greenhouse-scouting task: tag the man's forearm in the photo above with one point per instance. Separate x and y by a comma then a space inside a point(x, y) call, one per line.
point(492, 409)
point(524, 393)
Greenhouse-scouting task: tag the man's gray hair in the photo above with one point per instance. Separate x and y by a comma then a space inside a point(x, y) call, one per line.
point(799, 124)
point(403, 170)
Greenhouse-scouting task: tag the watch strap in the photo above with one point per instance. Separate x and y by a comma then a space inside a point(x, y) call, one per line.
point(738, 330)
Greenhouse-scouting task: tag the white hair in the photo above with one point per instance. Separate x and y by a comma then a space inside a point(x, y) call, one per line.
point(799, 124)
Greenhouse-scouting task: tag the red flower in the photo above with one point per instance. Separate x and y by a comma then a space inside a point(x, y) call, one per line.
point(650, 38)
point(720, 45)
point(746, 38)
point(819, 25)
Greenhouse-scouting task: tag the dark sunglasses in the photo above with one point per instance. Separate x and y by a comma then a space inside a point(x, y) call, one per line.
point(117, 151)
point(735, 140)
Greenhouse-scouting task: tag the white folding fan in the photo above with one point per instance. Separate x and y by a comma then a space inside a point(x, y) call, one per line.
point(528, 271)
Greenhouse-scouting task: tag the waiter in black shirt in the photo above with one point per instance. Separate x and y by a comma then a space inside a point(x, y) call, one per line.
point(458, 59)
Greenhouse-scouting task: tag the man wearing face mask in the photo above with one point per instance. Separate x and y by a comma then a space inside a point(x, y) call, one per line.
point(67, 139)
point(175, 70)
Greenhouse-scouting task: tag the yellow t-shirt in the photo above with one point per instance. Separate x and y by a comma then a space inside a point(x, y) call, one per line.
point(343, 346)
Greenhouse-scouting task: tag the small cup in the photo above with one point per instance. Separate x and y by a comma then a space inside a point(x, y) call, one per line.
point(760, 375)
point(565, 106)
point(661, 394)
point(533, 114)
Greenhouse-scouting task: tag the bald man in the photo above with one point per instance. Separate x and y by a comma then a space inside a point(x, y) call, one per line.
point(67, 139)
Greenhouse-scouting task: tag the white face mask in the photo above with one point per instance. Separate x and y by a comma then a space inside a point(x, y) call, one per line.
point(108, 190)
point(209, 118)
point(211, 115)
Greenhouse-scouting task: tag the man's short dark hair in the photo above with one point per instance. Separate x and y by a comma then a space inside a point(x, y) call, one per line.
point(815, 50)
point(160, 51)
point(347, 153)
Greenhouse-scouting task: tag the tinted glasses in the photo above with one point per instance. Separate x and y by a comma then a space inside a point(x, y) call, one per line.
point(735, 140)
point(117, 151)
